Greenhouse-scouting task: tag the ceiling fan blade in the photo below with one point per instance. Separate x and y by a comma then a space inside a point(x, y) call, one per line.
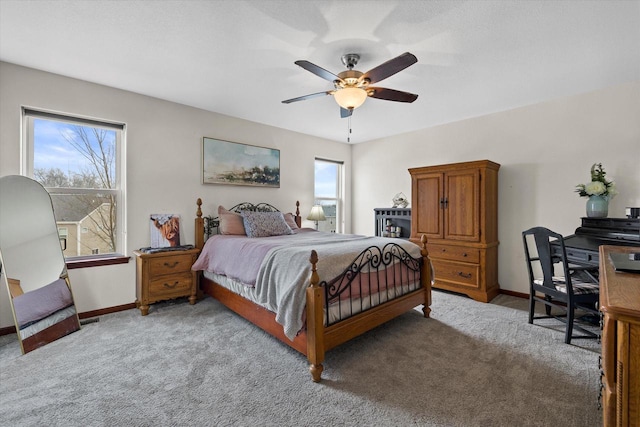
point(318, 71)
point(302, 98)
point(390, 67)
point(391, 94)
point(345, 112)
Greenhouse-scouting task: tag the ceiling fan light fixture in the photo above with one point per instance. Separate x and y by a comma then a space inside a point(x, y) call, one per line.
point(350, 97)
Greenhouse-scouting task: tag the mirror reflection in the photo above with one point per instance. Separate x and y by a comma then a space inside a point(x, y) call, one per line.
point(33, 265)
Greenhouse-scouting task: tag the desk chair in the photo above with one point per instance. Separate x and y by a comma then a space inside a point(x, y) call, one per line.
point(575, 289)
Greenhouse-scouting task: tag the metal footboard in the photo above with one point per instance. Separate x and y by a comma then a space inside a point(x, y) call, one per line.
point(376, 276)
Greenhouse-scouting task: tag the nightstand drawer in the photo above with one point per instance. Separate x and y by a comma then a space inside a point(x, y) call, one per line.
point(169, 285)
point(170, 265)
point(456, 272)
point(456, 253)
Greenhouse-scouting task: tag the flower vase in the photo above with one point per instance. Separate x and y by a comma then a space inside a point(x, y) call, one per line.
point(597, 207)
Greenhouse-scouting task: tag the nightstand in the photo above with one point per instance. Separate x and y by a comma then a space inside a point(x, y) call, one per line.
point(165, 275)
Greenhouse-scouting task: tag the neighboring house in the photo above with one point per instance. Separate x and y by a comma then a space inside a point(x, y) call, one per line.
point(81, 224)
point(330, 223)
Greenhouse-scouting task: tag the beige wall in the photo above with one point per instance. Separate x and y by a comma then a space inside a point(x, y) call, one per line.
point(163, 155)
point(544, 149)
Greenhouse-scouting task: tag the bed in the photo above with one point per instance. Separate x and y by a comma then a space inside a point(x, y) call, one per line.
point(313, 290)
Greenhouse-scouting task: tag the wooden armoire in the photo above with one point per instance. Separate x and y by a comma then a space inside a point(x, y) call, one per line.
point(456, 206)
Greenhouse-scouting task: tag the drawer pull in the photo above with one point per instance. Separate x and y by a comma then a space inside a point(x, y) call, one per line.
point(168, 286)
point(173, 264)
point(464, 254)
point(466, 276)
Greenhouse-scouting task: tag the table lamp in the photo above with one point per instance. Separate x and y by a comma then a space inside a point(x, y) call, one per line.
point(316, 214)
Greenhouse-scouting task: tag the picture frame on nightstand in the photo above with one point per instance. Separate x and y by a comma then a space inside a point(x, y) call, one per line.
point(164, 230)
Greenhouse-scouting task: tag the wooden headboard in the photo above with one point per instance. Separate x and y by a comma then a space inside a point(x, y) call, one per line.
point(205, 225)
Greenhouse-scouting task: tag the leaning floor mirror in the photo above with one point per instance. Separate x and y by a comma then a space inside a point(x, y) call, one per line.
point(33, 265)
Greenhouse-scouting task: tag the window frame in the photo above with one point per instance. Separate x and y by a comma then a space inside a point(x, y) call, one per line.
point(338, 199)
point(29, 115)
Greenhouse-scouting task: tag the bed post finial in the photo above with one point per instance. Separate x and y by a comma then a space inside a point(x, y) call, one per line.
point(298, 218)
point(315, 279)
point(315, 326)
point(199, 226)
point(423, 241)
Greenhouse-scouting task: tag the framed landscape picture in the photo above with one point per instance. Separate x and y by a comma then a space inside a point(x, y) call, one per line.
point(225, 162)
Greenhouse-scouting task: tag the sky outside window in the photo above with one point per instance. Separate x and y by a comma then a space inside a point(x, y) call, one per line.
point(53, 149)
point(326, 179)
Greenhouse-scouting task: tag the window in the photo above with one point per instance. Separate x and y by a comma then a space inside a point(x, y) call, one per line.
point(63, 233)
point(79, 162)
point(328, 194)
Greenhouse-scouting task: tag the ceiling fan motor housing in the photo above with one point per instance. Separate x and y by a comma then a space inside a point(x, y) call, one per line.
point(350, 60)
point(350, 78)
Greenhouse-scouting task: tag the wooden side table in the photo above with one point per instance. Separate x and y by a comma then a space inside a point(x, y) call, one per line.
point(620, 374)
point(165, 275)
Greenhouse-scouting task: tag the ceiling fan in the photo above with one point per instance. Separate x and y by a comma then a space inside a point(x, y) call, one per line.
point(352, 87)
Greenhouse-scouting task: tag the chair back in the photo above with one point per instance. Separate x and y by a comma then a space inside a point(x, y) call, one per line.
point(543, 238)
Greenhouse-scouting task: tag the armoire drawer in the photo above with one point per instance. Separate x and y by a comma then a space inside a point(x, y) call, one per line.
point(459, 273)
point(454, 253)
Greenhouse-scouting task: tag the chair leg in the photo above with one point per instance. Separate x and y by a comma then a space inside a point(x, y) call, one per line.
point(532, 308)
point(547, 307)
point(569, 331)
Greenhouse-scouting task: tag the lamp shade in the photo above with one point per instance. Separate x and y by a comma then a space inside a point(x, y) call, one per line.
point(316, 214)
point(350, 97)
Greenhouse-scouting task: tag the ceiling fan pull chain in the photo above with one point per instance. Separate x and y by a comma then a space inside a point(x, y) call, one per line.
point(349, 130)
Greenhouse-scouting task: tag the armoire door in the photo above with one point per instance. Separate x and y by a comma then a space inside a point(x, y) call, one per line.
point(462, 205)
point(428, 198)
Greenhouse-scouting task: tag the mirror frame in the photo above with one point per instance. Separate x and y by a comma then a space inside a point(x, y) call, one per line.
point(32, 264)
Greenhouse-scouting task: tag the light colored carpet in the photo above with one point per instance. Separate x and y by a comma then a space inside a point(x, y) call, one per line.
point(471, 364)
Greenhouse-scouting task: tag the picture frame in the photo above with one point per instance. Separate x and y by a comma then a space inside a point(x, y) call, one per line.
point(164, 230)
point(234, 163)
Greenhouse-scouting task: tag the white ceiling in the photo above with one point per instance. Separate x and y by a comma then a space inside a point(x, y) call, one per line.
point(237, 57)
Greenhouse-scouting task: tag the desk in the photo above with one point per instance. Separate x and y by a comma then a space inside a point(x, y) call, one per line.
point(620, 307)
point(582, 247)
point(583, 250)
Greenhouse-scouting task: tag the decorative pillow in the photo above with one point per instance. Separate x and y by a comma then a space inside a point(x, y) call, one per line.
point(265, 224)
point(230, 222)
point(291, 221)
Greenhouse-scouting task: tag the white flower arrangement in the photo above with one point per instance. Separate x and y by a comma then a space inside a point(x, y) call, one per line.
point(599, 185)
